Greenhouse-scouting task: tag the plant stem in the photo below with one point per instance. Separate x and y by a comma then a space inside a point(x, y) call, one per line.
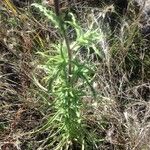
point(57, 9)
point(69, 51)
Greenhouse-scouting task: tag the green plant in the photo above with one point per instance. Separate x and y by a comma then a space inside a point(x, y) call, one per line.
point(66, 79)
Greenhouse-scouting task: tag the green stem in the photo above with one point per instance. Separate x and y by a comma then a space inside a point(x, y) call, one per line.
point(69, 51)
